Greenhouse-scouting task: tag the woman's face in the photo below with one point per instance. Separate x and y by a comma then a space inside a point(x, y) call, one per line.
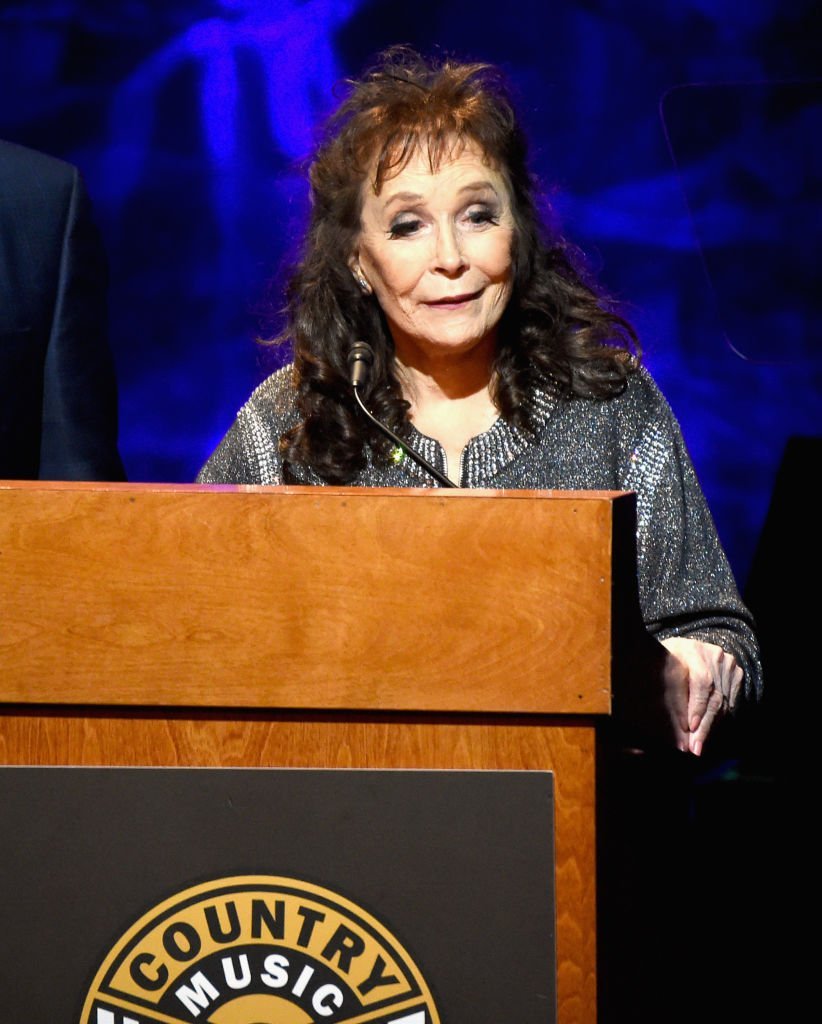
point(436, 250)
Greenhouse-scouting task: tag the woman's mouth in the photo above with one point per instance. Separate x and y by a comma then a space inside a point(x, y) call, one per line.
point(454, 301)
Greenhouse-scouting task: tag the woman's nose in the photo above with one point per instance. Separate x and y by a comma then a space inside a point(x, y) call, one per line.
point(448, 256)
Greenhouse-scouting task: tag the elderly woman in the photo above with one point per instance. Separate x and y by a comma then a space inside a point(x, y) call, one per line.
point(491, 360)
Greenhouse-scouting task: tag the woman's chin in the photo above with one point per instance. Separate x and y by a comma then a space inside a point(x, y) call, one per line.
point(454, 344)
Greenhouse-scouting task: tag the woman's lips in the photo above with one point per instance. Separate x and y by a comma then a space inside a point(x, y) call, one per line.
point(453, 301)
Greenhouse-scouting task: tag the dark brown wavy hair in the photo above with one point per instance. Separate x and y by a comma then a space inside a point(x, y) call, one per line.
point(558, 331)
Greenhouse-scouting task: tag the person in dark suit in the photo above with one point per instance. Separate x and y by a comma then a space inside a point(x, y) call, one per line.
point(58, 394)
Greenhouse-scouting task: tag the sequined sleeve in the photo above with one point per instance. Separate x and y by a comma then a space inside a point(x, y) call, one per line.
point(686, 584)
point(249, 452)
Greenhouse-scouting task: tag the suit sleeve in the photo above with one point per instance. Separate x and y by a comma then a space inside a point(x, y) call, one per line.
point(80, 417)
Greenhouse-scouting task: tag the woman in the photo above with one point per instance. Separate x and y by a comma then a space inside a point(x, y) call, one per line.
point(494, 360)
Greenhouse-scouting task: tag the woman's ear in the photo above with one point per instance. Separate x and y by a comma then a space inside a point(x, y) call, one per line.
point(359, 277)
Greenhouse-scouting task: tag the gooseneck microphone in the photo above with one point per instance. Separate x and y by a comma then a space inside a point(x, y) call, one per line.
point(360, 361)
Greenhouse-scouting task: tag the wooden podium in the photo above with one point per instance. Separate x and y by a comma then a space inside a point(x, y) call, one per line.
point(165, 625)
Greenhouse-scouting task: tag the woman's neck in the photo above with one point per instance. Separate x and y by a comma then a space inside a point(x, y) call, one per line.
point(450, 402)
point(436, 376)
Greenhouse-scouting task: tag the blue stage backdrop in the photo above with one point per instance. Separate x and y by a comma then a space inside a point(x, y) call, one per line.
point(679, 143)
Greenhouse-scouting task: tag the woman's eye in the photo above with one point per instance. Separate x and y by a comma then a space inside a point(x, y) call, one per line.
point(404, 228)
point(482, 215)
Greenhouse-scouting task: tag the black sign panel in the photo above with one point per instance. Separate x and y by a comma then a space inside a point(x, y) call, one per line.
point(249, 896)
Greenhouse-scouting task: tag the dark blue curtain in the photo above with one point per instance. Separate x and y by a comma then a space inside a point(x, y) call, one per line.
point(678, 143)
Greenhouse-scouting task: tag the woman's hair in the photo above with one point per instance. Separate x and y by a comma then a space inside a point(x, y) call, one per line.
point(558, 332)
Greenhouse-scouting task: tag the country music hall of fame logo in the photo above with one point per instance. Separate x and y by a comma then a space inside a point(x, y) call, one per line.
point(258, 949)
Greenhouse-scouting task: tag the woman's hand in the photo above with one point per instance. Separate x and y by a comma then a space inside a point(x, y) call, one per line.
point(701, 683)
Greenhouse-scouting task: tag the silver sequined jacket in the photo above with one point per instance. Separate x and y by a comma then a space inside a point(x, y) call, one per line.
point(631, 442)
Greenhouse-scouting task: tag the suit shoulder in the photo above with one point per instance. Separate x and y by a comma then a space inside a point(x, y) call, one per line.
point(21, 164)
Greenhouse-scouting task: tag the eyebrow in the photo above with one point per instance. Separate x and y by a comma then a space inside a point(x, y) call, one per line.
point(415, 197)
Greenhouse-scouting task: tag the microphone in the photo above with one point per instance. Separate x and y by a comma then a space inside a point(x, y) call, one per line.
point(360, 361)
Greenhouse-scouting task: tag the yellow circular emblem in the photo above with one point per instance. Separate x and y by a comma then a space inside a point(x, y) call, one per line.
point(258, 949)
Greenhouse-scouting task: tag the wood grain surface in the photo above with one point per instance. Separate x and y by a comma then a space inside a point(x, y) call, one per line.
point(306, 597)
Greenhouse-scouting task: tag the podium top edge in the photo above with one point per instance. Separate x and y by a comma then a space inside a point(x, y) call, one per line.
point(305, 490)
